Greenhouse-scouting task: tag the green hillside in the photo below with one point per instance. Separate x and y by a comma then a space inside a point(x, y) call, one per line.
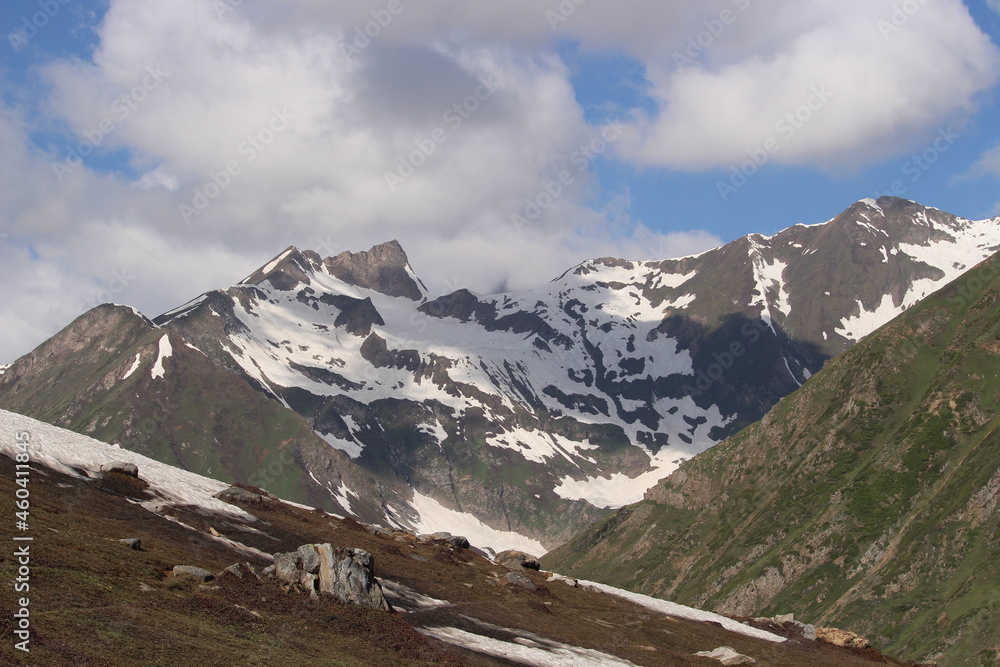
point(865, 500)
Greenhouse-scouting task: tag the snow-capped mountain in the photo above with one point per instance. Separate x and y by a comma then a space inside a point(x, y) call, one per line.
point(534, 410)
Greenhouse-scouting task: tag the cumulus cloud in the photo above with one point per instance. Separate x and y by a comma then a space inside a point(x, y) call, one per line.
point(843, 83)
point(248, 127)
point(987, 164)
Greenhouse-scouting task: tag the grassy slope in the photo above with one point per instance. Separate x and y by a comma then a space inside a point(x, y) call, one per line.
point(865, 500)
point(95, 601)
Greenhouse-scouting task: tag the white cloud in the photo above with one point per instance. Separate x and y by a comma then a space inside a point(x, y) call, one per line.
point(988, 163)
point(887, 78)
point(187, 92)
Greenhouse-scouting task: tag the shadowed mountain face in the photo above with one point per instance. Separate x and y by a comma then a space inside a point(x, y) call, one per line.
point(867, 499)
point(527, 412)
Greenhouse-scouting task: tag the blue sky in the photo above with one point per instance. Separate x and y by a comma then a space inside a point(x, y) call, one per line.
point(500, 144)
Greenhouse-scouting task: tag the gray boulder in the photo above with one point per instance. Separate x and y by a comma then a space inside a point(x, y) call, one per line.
point(195, 573)
point(515, 560)
point(519, 579)
point(346, 574)
point(456, 541)
point(380, 532)
point(240, 571)
point(727, 656)
point(121, 467)
point(287, 567)
point(240, 496)
point(132, 543)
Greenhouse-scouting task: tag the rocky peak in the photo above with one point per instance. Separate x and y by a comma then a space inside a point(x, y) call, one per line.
point(384, 269)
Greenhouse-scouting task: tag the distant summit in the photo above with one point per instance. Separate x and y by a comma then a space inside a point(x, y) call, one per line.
point(337, 382)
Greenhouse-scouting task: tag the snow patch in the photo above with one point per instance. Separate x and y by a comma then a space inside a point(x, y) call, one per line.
point(612, 492)
point(165, 351)
point(529, 649)
point(681, 611)
point(134, 368)
point(345, 502)
point(435, 517)
point(274, 262)
point(184, 309)
point(349, 447)
point(66, 451)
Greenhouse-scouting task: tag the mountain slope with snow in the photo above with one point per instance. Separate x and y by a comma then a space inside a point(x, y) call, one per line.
point(868, 499)
point(533, 411)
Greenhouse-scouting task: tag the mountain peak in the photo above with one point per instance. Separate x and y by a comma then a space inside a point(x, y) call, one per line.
point(384, 268)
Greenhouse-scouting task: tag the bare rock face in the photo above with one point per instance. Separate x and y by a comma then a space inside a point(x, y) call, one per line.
point(383, 268)
point(347, 574)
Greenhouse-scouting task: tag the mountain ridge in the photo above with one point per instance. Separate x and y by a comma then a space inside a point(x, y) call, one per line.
point(534, 411)
point(868, 497)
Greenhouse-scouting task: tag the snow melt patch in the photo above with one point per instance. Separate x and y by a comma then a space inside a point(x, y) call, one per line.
point(165, 351)
point(612, 492)
point(66, 452)
point(529, 650)
point(345, 502)
point(681, 611)
point(274, 262)
point(134, 368)
point(349, 447)
point(858, 326)
point(435, 517)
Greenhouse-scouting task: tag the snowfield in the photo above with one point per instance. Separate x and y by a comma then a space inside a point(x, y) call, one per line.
point(82, 457)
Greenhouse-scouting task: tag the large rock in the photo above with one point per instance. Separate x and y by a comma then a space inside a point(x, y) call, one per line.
point(196, 573)
point(515, 560)
point(121, 467)
point(346, 574)
point(727, 656)
point(519, 579)
point(842, 638)
point(239, 496)
point(455, 541)
point(384, 269)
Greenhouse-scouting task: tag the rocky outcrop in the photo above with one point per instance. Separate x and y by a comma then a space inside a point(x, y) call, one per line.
point(346, 574)
point(196, 573)
point(238, 495)
point(839, 637)
point(727, 656)
point(515, 560)
point(383, 269)
point(519, 579)
point(122, 468)
point(454, 541)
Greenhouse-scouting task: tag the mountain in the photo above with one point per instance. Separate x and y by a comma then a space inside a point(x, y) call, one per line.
point(525, 413)
point(98, 583)
point(867, 499)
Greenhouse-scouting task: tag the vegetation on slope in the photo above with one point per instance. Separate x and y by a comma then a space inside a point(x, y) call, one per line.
point(865, 500)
